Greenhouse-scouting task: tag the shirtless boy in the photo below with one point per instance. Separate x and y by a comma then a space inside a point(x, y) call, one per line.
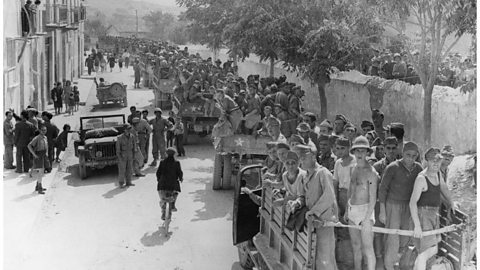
point(362, 196)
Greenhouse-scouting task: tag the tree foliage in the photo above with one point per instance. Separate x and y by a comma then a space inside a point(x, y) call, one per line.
point(158, 22)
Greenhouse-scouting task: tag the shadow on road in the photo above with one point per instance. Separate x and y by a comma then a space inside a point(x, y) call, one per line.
point(157, 238)
point(110, 107)
point(212, 200)
point(25, 179)
point(26, 196)
point(106, 175)
point(110, 194)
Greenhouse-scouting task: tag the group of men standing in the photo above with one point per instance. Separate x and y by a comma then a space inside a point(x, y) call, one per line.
point(368, 176)
point(132, 146)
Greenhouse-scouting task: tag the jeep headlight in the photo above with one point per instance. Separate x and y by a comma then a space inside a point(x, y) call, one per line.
point(99, 154)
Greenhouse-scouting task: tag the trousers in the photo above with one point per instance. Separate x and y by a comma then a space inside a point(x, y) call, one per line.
point(158, 140)
point(179, 144)
point(325, 256)
point(125, 170)
point(23, 157)
point(397, 217)
point(8, 156)
point(143, 144)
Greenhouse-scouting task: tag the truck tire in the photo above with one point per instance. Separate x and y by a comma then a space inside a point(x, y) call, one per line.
point(227, 171)
point(82, 169)
point(217, 172)
point(243, 256)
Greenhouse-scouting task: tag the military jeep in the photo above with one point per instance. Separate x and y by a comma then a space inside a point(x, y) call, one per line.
point(98, 135)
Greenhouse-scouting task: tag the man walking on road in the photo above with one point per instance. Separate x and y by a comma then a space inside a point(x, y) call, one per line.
point(159, 125)
point(143, 130)
point(24, 132)
point(125, 147)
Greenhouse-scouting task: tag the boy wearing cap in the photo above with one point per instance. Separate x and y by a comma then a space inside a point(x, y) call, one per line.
point(291, 179)
point(272, 166)
point(362, 196)
point(325, 128)
point(394, 195)
point(325, 157)
point(319, 197)
point(342, 172)
point(366, 126)
point(273, 129)
point(303, 129)
point(425, 204)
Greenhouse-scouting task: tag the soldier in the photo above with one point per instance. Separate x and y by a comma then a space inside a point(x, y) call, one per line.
point(125, 147)
point(159, 125)
point(8, 139)
point(252, 112)
point(317, 192)
point(343, 172)
point(24, 132)
point(366, 126)
point(273, 129)
point(133, 113)
point(339, 124)
point(230, 110)
point(311, 120)
point(143, 132)
point(325, 157)
point(394, 195)
point(304, 131)
point(147, 143)
point(325, 127)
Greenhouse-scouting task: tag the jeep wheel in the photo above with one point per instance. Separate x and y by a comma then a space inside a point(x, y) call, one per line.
point(243, 256)
point(82, 169)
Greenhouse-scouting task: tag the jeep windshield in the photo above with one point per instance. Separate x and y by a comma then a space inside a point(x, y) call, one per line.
point(95, 122)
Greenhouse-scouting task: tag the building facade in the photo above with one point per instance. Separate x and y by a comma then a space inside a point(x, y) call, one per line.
point(43, 44)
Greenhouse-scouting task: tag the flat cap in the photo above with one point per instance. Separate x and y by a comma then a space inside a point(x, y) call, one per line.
point(303, 127)
point(366, 123)
point(391, 140)
point(447, 150)
point(291, 156)
point(341, 117)
point(433, 153)
point(323, 137)
point(410, 146)
point(326, 123)
point(157, 110)
point(302, 150)
point(135, 120)
point(282, 145)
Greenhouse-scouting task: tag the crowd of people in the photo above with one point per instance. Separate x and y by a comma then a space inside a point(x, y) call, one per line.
point(37, 140)
point(360, 173)
point(64, 93)
point(453, 71)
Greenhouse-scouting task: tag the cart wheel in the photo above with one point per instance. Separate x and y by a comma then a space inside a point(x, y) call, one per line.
point(227, 171)
point(125, 102)
point(82, 169)
point(217, 172)
point(243, 256)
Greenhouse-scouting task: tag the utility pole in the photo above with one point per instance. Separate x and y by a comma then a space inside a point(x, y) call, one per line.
point(136, 15)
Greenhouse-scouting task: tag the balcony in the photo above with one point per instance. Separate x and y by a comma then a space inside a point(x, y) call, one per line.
point(63, 14)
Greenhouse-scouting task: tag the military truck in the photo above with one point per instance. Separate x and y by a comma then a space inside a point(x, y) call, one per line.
point(170, 96)
point(264, 242)
point(233, 153)
point(96, 147)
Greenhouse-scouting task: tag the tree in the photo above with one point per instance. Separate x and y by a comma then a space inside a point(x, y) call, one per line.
point(158, 22)
point(207, 20)
point(96, 27)
point(338, 34)
point(441, 24)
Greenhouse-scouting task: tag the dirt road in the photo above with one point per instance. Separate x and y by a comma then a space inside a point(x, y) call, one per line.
point(93, 224)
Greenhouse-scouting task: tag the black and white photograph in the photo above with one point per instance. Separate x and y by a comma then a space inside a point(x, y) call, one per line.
point(239, 135)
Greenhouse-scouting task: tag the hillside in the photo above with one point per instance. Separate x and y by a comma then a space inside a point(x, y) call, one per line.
point(121, 13)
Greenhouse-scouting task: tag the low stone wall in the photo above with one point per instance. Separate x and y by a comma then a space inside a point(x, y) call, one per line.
point(354, 94)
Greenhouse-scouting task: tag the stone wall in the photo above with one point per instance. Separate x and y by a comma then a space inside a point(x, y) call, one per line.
point(453, 113)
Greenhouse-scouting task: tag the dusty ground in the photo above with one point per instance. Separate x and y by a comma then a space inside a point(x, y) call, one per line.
point(93, 224)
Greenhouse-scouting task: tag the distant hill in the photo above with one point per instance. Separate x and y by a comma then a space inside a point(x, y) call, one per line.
point(121, 13)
